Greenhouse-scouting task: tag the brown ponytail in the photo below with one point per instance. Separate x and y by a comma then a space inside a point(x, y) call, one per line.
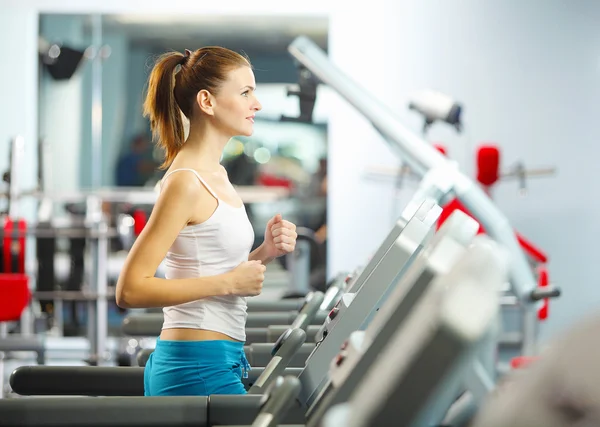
point(170, 94)
point(161, 107)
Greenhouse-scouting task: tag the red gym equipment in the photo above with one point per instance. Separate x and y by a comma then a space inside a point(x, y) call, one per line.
point(14, 296)
point(488, 161)
point(14, 283)
point(139, 221)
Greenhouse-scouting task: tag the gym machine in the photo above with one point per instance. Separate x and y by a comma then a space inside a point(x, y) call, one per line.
point(220, 409)
point(366, 294)
point(372, 283)
point(441, 181)
point(445, 248)
point(418, 363)
point(356, 309)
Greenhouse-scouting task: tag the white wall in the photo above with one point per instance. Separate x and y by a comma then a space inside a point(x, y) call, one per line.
point(18, 91)
point(528, 74)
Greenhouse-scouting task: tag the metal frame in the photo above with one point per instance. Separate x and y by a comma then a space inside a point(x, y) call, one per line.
point(441, 177)
point(354, 311)
point(417, 370)
point(363, 347)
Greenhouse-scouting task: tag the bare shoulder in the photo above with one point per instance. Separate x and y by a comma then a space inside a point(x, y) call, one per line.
point(182, 184)
point(183, 192)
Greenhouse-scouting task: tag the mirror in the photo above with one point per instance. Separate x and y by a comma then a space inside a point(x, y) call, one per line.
point(92, 78)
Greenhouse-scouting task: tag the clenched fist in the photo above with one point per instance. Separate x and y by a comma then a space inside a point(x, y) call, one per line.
point(280, 237)
point(246, 280)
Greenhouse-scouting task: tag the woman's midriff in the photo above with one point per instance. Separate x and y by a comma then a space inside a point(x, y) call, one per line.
point(185, 334)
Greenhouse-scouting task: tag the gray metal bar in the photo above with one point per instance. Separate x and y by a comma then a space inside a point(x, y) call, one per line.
point(274, 332)
point(421, 157)
point(142, 324)
point(138, 196)
point(280, 360)
point(280, 399)
point(280, 305)
point(255, 373)
point(150, 324)
point(261, 335)
point(263, 320)
point(82, 232)
point(307, 315)
point(298, 264)
point(20, 343)
point(260, 354)
point(70, 295)
point(98, 309)
point(102, 290)
point(31, 343)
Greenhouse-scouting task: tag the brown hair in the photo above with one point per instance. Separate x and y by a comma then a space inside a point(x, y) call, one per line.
point(171, 92)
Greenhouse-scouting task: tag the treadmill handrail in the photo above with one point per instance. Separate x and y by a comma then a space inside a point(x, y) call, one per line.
point(421, 157)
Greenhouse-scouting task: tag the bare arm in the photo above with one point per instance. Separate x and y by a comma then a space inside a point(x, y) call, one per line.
point(137, 287)
point(259, 255)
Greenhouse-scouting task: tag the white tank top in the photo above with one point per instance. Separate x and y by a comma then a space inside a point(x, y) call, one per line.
point(214, 247)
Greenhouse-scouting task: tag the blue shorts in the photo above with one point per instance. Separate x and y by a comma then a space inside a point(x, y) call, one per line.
point(196, 368)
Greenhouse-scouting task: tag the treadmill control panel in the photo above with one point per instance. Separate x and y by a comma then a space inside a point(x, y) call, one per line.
point(334, 315)
point(350, 352)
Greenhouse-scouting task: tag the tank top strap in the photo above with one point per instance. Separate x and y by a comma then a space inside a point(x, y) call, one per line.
point(210, 190)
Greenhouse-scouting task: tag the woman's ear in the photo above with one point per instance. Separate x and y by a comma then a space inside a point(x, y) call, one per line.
point(205, 101)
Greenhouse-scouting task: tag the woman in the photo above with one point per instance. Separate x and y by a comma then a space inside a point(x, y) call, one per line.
point(200, 227)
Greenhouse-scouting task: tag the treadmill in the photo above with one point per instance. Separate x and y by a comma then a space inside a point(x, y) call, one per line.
point(407, 385)
point(412, 229)
point(446, 248)
point(215, 409)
